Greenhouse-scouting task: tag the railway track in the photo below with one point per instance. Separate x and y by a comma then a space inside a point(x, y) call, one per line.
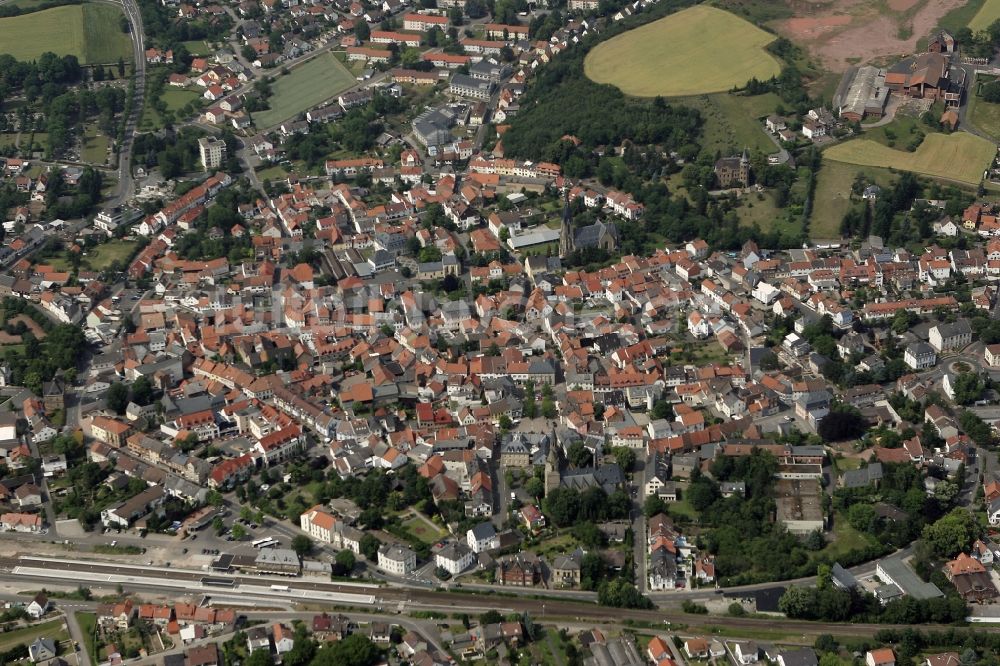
point(388, 597)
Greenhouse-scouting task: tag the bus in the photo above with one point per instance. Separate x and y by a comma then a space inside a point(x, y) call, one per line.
point(266, 542)
point(279, 588)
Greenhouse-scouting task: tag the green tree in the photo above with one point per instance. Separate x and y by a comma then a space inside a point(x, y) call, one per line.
point(968, 387)
point(142, 391)
point(535, 487)
point(369, 547)
point(217, 525)
point(239, 532)
point(260, 658)
point(952, 533)
point(653, 506)
point(625, 457)
point(344, 562)
point(549, 408)
point(302, 545)
point(117, 397)
point(797, 602)
point(662, 410)
point(842, 422)
point(862, 517)
point(355, 650)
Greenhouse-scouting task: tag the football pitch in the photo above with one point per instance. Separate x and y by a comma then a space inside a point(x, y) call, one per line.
point(698, 50)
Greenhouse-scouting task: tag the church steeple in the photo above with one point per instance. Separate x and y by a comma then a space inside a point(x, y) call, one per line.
point(566, 232)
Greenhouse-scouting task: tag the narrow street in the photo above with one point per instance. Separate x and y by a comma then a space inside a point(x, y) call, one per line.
point(76, 633)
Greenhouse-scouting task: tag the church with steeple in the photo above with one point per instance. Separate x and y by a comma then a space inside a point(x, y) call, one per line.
point(598, 234)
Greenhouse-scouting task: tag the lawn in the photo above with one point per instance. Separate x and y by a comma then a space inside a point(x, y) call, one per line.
point(103, 38)
point(98, 258)
point(53, 629)
point(198, 48)
point(960, 157)
point(276, 172)
point(844, 539)
point(760, 210)
point(423, 529)
point(95, 146)
point(833, 188)
point(733, 122)
point(176, 99)
point(984, 116)
point(101, 257)
point(682, 508)
point(900, 133)
point(960, 16)
point(698, 50)
point(90, 32)
point(306, 86)
point(987, 14)
point(846, 464)
point(88, 626)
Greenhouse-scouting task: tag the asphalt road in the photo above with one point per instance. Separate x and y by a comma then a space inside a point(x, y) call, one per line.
point(123, 190)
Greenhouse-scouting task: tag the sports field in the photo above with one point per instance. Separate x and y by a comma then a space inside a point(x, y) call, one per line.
point(319, 79)
point(698, 50)
point(961, 157)
point(987, 14)
point(90, 32)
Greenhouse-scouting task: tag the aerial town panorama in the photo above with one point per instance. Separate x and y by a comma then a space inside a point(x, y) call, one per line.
point(516, 332)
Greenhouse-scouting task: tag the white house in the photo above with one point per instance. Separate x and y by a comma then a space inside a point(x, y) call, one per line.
point(920, 356)
point(880, 657)
point(396, 559)
point(482, 538)
point(39, 606)
point(318, 524)
point(698, 325)
point(992, 355)
point(993, 511)
point(745, 652)
point(454, 558)
point(944, 337)
point(284, 639)
point(766, 293)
